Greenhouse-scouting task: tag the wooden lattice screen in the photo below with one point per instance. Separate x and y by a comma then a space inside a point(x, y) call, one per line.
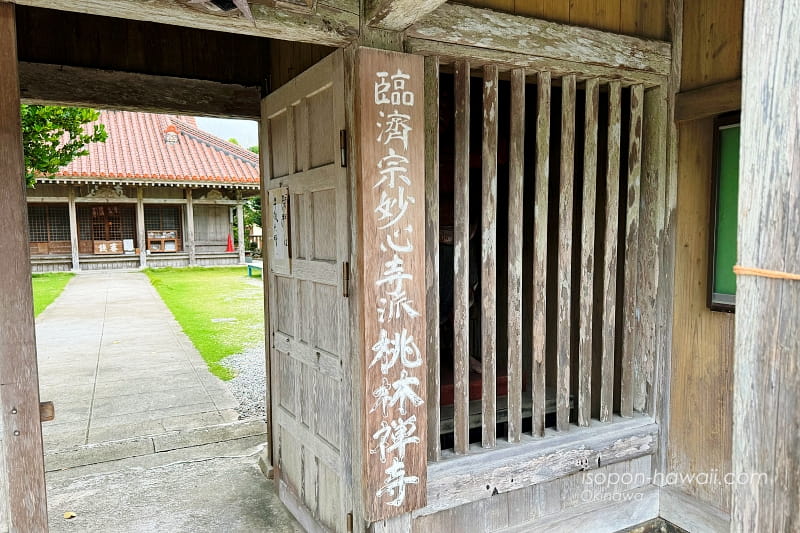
point(532, 201)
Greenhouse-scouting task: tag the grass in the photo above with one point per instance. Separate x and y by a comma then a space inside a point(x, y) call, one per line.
point(47, 287)
point(220, 309)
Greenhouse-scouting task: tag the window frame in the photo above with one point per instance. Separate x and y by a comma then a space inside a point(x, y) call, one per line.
point(720, 302)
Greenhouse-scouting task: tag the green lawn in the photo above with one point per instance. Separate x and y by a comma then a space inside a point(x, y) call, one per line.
point(220, 309)
point(47, 287)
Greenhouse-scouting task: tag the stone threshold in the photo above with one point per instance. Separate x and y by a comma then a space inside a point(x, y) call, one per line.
point(115, 450)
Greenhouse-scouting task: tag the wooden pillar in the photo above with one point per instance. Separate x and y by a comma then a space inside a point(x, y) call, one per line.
point(766, 428)
point(140, 231)
point(19, 379)
point(240, 225)
point(73, 231)
point(190, 245)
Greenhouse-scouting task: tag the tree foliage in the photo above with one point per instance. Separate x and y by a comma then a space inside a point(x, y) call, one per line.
point(54, 136)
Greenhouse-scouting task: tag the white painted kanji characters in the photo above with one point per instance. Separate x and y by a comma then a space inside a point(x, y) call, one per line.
point(382, 397)
point(393, 92)
point(400, 346)
point(394, 274)
point(408, 247)
point(397, 305)
point(400, 432)
point(394, 126)
point(404, 392)
point(393, 208)
point(395, 483)
point(392, 169)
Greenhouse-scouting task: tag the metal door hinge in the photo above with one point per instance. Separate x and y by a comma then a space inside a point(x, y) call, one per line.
point(349, 522)
point(343, 147)
point(346, 279)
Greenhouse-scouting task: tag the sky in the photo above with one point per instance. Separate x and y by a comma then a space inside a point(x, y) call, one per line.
point(244, 131)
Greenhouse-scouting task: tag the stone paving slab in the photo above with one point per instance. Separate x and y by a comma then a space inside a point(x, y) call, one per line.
point(212, 488)
point(117, 365)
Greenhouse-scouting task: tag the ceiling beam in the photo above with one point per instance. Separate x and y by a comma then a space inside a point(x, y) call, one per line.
point(481, 28)
point(108, 89)
point(326, 24)
point(708, 101)
point(397, 15)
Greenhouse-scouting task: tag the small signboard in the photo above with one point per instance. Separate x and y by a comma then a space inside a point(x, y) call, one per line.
point(108, 247)
point(392, 194)
point(279, 259)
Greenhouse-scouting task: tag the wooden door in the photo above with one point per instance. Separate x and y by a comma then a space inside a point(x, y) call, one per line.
point(306, 192)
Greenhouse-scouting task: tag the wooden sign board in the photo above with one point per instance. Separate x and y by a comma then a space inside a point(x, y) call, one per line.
point(391, 186)
point(279, 259)
point(108, 247)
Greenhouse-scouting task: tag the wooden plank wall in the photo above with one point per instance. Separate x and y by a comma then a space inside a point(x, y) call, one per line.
point(702, 360)
point(144, 47)
point(631, 17)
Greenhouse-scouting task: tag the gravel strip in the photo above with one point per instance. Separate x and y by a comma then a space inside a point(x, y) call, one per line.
point(250, 384)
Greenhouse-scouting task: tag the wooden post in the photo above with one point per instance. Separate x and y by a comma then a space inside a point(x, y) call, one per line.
point(140, 229)
point(540, 251)
point(190, 244)
point(240, 225)
point(432, 253)
point(766, 406)
point(515, 244)
point(587, 253)
point(73, 231)
point(489, 258)
point(461, 261)
point(610, 262)
point(19, 379)
point(566, 187)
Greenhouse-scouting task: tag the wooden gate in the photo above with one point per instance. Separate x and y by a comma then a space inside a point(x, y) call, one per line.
point(307, 237)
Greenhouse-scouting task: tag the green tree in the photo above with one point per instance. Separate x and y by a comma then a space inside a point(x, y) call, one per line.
point(54, 136)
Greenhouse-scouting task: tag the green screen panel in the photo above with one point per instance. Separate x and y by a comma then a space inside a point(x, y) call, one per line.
point(727, 211)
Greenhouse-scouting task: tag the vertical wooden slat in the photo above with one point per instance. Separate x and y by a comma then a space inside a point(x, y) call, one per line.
point(587, 253)
point(515, 192)
point(540, 251)
point(565, 249)
point(631, 251)
point(23, 456)
point(432, 252)
point(610, 258)
point(489, 257)
point(461, 261)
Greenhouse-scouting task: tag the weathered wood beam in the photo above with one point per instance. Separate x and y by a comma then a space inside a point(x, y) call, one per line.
point(564, 275)
point(457, 480)
point(85, 87)
point(328, 24)
point(433, 298)
point(516, 179)
point(708, 101)
point(482, 28)
point(479, 57)
point(398, 14)
point(540, 252)
point(585, 326)
point(631, 312)
point(489, 256)
point(610, 252)
point(461, 260)
point(23, 456)
point(766, 393)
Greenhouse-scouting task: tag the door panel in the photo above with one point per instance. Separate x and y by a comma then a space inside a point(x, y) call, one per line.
point(309, 318)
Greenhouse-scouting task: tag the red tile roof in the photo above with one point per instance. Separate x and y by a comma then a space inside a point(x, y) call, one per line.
point(137, 150)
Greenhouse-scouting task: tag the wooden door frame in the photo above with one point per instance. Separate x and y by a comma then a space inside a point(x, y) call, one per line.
point(23, 452)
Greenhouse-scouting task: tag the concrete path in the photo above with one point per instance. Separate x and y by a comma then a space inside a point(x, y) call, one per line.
point(117, 365)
